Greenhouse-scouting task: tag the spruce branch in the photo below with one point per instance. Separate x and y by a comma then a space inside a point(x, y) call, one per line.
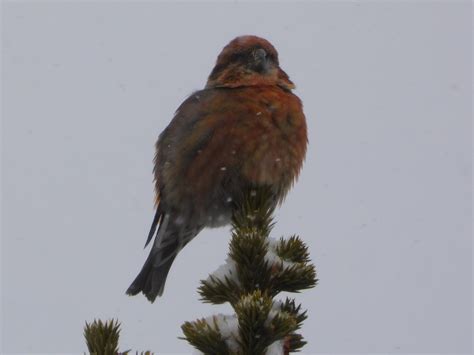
point(294, 342)
point(293, 249)
point(204, 337)
point(254, 211)
point(257, 269)
point(252, 312)
point(248, 250)
point(281, 325)
point(102, 337)
point(261, 323)
point(293, 278)
point(217, 291)
point(290, 306)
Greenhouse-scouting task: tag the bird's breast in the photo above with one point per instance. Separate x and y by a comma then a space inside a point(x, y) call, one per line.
point(230, 139)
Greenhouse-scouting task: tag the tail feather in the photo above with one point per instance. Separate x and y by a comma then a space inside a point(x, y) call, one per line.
point(154, 224)
point(151, 279)
point(168, 242)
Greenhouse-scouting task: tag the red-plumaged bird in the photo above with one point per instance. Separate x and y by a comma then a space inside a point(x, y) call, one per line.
point(245, 129)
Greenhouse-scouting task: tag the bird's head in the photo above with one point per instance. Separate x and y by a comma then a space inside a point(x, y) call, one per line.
point(248, 61)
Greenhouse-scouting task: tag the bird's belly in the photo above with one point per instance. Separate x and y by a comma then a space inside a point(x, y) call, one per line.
point(218, 216)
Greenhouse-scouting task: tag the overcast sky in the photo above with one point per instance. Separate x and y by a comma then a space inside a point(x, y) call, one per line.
point(383, 201)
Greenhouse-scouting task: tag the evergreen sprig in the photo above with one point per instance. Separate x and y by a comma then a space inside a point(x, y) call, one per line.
point(293, 278)
point(259, 269)
point(217, 291)
point(252, 312)
point(248, 250)
point(294, 341)
point(293, 249)
point(290, 306)
point(204, 337)
point(102, 337)
point(254, 211)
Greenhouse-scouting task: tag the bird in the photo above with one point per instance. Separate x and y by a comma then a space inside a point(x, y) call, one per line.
point(245, 129)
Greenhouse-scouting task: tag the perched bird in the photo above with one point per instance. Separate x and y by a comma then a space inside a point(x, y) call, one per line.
point(245, 129)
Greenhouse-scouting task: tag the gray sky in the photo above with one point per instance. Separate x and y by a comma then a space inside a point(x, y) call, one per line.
point(384, 199)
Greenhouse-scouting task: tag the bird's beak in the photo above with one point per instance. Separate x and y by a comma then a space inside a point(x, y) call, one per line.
point(261, 60)
point(260, 55)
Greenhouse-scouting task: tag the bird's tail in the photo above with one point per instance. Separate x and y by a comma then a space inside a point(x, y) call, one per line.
point(168, 242)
